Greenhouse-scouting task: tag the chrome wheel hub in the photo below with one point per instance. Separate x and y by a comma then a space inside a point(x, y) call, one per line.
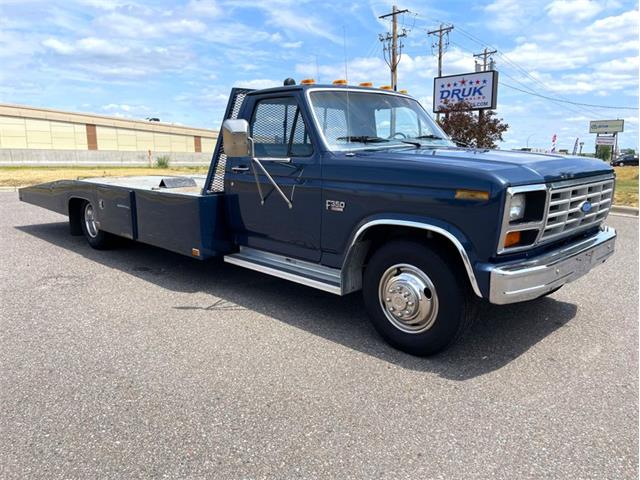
point(90, 221)
point(408, 298)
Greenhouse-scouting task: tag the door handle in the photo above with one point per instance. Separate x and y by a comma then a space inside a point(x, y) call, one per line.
point(241, 168)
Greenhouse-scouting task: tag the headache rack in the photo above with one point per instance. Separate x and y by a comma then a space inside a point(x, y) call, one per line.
point(565, 214)
point(215, 177)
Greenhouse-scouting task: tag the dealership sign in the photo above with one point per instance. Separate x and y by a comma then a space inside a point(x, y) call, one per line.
point(606, 126)
point(600, 140)
point(478, 89)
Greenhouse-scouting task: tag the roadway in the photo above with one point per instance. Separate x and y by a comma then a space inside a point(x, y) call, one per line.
point(138, 363)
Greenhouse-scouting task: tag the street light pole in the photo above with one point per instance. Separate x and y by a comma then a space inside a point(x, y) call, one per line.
point(529, 137)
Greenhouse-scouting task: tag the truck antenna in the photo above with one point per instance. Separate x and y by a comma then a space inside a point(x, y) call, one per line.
point(346, 76)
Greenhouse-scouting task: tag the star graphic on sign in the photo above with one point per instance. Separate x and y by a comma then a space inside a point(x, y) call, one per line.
point(463, 81)
point(442, 86)
point(455, 84)
point(484, 81)
point(448, 84)
point(477, 82)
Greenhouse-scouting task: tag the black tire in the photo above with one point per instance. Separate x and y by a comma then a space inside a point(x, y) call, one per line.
point(97, 238)
point(455, 303)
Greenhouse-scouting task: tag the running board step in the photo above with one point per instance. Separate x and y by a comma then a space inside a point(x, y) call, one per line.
point(299, 271)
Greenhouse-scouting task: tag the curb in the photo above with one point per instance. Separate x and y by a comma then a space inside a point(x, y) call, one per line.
point(11, 189)
point(633, 211)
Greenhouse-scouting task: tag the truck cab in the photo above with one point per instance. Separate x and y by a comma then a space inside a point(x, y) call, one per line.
point(348, 189)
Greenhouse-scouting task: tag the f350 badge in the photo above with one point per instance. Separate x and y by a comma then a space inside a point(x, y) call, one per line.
point(335, 206)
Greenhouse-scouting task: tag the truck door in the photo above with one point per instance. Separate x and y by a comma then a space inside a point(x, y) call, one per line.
point(280, 214)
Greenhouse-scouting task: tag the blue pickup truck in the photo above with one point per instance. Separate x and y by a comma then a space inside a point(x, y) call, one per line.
point(345, 188)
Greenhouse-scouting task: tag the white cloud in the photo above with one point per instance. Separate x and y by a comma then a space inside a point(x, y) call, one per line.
point(565, 10)
point(507, 15)
point(258, 83)
point(89, 45)
point(133, 26)
point(291, 44)
point(291, 21)
point(205, 8)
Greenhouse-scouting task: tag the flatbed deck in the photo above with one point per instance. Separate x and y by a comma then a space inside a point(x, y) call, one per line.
point(170, 212)
point(152, 183)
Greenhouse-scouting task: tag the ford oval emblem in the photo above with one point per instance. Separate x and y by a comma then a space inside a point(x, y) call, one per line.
point(586, 206)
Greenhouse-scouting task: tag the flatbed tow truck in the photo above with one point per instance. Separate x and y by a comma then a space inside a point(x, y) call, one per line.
point(347, 188)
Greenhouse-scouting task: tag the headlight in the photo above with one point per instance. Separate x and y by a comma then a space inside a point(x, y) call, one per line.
point(516, 208)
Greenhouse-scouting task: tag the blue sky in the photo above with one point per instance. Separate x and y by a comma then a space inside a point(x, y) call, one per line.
point(177, 60)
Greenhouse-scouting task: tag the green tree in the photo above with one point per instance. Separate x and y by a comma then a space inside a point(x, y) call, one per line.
point(603, 152)
point(466, 127)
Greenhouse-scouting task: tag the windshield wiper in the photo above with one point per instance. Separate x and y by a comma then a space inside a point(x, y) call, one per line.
point(363, 139)
point(428, 137)
point(409, 142)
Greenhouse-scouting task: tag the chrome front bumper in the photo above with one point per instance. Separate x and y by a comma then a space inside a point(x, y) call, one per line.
point(531, 278)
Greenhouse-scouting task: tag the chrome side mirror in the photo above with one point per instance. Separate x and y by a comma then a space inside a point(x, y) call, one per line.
point(236, 140)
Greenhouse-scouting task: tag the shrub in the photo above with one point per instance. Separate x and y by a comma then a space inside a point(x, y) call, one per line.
point(162, 162)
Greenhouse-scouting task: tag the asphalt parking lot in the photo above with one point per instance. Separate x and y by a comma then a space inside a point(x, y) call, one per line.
point(138, 363)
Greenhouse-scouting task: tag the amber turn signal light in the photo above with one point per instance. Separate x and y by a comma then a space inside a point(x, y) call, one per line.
point(472, 195)
point(512, 239)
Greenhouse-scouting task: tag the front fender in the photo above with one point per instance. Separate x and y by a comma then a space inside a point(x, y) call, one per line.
point(458, 239)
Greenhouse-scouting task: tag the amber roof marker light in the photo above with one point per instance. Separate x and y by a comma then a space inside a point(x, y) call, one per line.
point(307, 81)
point(340, 81)
point(366, 84)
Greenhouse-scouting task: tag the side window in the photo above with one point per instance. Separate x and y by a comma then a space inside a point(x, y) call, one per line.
point(278, 129)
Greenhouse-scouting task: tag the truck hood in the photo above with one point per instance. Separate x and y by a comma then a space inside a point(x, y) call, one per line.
point(508, 167)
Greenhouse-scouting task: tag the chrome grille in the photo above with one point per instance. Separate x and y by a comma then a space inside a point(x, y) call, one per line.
point(565, 215)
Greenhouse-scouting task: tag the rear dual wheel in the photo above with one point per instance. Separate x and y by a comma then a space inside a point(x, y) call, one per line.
point(415, 299)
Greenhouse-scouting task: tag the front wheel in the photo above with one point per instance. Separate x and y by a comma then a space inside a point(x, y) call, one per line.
point(415, 299)
point(97, 238)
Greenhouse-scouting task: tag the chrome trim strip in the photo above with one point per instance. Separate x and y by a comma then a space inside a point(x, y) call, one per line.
point(422, 226)
point(582, 181)
point(529, 279)
point(507, 227)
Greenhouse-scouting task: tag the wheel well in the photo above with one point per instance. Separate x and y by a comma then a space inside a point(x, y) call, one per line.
point(75, 215)
point(377, 236)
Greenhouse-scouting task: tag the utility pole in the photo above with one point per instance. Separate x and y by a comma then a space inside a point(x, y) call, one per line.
point(392, 49)
point(442, 33)
point(485, 56)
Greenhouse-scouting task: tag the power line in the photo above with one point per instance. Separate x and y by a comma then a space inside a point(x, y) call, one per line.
point(559, 100)
point(533, 92)
point(569, 101)
point(515, 65)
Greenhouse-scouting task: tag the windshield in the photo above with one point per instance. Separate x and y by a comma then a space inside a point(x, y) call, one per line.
point(352, 120)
